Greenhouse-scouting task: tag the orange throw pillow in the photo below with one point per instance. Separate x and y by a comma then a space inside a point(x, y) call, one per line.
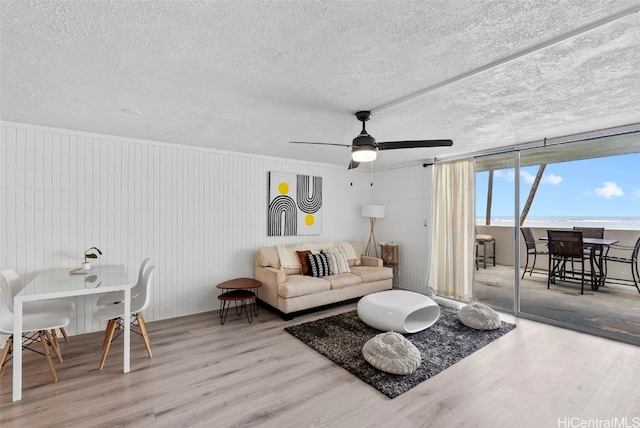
point(304, 262)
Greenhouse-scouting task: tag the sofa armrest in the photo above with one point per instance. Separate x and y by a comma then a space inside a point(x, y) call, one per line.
point(371, 261)
point(269, 275)
point(270, 278)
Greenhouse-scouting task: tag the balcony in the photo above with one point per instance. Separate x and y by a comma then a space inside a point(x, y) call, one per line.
point(613, 311)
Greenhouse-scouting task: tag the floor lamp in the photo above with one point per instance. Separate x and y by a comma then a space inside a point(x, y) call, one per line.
point(373, 212)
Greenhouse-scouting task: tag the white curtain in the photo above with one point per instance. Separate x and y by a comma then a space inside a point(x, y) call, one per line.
point(453, 240)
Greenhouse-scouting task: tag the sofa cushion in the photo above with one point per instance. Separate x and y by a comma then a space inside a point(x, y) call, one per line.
point(337, 260)
point(343, 280)
point(372, 274)
point(292, 271)
point(301, 285)
point(318, 265)
point(304, 262)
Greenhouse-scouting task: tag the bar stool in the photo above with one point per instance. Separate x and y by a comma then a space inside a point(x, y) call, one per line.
point(483, 240)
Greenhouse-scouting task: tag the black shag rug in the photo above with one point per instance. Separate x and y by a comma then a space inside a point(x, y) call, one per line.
point(341, 338)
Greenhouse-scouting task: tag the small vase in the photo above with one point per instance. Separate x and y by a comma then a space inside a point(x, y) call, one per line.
point(86, 265)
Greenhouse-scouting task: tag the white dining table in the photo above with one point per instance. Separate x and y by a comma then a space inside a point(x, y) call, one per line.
point(61, 283)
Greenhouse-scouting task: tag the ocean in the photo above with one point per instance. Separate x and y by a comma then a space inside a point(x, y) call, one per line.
point(620, 223)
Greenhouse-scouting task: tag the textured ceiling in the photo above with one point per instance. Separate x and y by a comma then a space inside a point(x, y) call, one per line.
point(250, 76)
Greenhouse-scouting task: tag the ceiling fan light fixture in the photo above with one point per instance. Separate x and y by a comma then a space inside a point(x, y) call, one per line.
point(365, 148)
point(364, 154)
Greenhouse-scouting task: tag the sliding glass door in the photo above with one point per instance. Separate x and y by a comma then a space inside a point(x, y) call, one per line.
point(580, 186)
point(591, 184)
point(494, 285)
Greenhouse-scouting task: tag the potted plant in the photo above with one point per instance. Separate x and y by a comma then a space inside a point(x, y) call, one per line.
point(90, 254)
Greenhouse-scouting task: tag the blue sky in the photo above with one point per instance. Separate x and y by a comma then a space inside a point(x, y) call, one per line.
point(602, 187)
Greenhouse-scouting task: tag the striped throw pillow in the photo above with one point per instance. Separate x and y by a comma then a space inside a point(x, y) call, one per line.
point(318, 265)
point(337, 260)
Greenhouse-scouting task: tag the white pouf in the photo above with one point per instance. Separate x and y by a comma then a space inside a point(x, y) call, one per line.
point(393, 353)
point(480, 317)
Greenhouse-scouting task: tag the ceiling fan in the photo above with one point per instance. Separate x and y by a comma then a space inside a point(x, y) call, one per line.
point(365, 148)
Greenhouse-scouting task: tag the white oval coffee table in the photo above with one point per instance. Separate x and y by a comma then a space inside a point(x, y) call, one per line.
point(398, 310)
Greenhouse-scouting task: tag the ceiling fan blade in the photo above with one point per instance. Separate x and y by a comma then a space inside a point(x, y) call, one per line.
point(388, 145)
point(322, 144)
point(353, 164)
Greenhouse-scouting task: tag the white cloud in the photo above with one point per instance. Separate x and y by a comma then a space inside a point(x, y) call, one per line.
point(551, 179)
point(527, 177)
point(546, 179)
point(504, 174)
point(608, 190)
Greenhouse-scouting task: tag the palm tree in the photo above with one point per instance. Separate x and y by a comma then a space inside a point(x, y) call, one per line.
point(532, 193)
point(489, 198)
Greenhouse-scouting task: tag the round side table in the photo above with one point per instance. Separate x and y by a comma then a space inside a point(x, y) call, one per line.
point(239, 290)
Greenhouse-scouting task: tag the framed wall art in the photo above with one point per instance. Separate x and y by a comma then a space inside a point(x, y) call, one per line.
point(295, 204)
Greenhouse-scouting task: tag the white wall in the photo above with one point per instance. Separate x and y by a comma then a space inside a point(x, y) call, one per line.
point(406, 194)
point(198, 213)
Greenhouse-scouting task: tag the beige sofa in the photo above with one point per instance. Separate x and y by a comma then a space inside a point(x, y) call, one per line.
point(287, 290)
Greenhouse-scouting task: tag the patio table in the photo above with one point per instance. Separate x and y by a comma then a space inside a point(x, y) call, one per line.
point(599, 249)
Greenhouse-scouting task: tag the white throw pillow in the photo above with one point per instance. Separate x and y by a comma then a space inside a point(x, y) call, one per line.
point(337, 260)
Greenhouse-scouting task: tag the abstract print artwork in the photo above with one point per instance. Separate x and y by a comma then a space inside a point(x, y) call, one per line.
point(295, 204)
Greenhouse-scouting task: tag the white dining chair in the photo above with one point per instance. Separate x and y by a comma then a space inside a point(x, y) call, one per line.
point(35, 328)
point(113, 313)
point(36, 307)
point(116, 296)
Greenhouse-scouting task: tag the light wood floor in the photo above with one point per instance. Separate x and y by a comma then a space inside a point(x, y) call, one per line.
point(243, 375)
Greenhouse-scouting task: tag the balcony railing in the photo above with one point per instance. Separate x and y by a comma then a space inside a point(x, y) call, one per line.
point(505, 248)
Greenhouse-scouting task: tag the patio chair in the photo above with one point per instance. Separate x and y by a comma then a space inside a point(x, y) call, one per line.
point(566, 246)
point(591, 232)
point(631, 260)
point(532, 249)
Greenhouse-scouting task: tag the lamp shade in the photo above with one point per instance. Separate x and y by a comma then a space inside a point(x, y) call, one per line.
point(373, 211)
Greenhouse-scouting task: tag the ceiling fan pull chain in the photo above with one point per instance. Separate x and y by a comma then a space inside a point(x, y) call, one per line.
point(371, 172)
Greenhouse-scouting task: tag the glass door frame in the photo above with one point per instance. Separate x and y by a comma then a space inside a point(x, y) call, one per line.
point(590, 147)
